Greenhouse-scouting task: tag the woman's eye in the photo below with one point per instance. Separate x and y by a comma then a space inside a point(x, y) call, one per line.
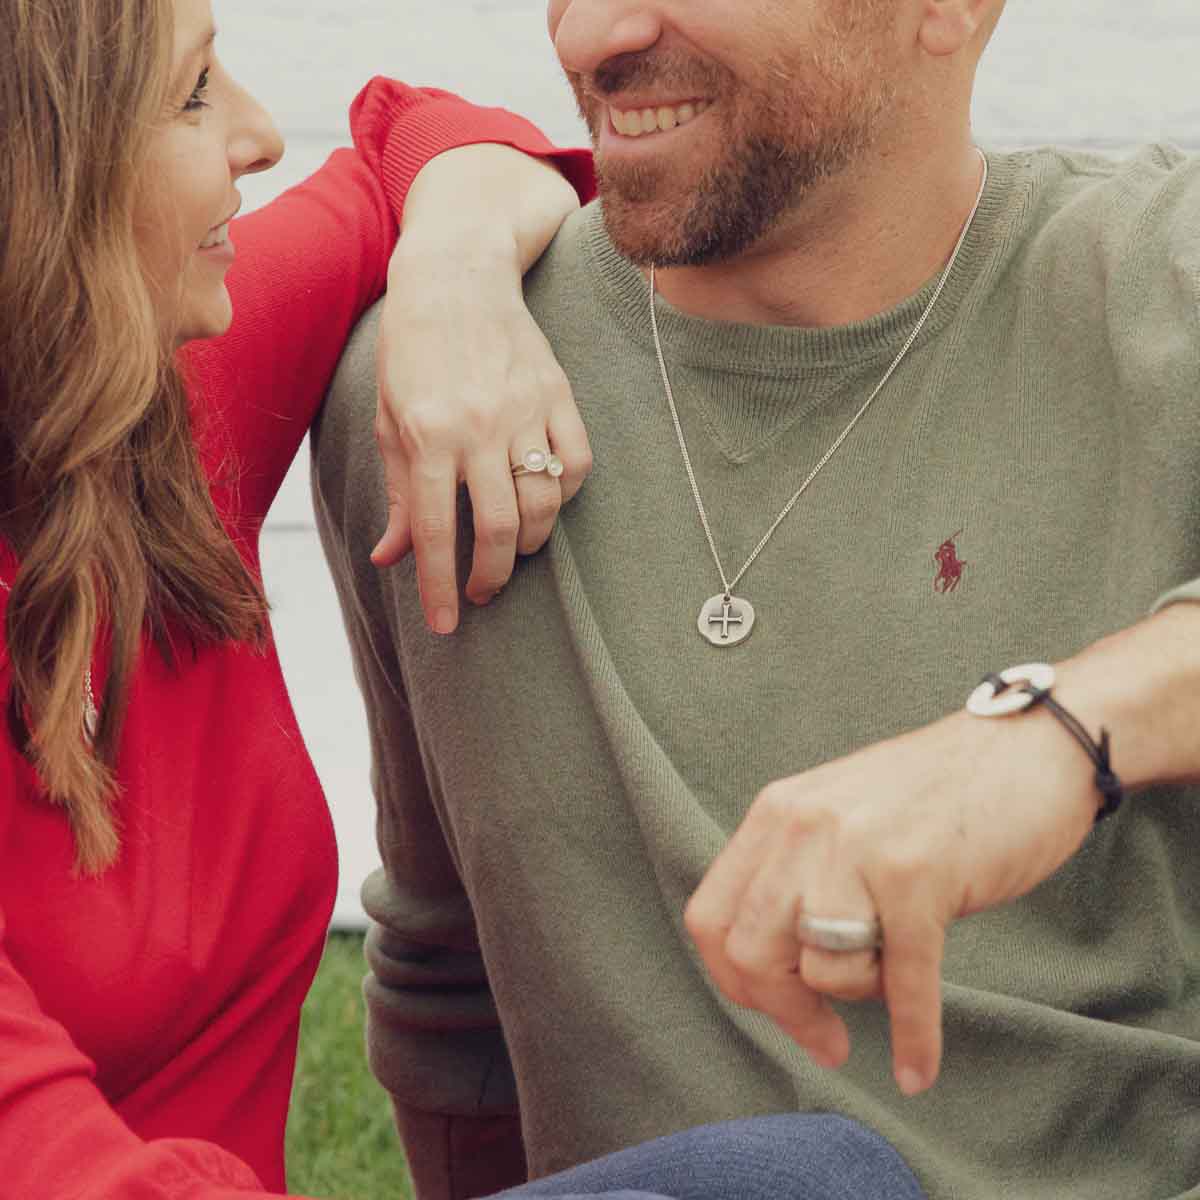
point(196, 100)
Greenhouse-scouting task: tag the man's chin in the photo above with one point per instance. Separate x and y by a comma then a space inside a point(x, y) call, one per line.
point(671, 222)
point(634, 237)
point(647, 232)
point(672, 235)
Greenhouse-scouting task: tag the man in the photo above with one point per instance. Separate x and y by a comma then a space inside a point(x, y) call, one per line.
point(897, 420)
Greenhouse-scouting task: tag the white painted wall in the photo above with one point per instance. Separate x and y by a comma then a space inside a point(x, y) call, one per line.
point(1106, 73)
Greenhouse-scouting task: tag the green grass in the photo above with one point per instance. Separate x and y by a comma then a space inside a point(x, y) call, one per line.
point(341, 1143)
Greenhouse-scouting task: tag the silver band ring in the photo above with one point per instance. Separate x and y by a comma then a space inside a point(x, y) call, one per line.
point(535, 460)
point(839, 935)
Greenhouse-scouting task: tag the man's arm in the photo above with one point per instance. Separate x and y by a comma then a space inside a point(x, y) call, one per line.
point(434, 1039)
point(959, 816)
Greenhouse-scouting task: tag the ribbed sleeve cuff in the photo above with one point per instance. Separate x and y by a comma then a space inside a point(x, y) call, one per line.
point(419, 124)
point(445, 124)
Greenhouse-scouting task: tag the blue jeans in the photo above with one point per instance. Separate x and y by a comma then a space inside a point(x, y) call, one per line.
point(788, 1157)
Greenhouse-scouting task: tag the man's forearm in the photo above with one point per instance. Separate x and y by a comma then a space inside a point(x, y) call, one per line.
point(1143, 686)
point(948, 820)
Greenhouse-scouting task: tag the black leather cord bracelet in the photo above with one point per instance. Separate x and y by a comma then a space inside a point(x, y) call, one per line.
point(1107, 782)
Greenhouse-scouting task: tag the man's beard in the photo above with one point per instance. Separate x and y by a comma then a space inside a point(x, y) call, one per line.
point(735, 204)
point(783, 138)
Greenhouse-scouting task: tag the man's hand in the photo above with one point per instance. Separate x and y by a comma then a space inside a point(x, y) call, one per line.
point(467, 382)
point(956, 817)
point(962, 815)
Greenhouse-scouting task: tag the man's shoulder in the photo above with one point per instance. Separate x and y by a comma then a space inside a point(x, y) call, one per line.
point(570, 252)
point(566, 275)
point(1122, 202)
point(1078, 171)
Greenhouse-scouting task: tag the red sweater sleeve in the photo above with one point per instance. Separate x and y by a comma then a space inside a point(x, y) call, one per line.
point(308, 266)
point(60, 1138)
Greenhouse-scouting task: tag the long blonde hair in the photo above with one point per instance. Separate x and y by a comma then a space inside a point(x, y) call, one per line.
point(102, 496)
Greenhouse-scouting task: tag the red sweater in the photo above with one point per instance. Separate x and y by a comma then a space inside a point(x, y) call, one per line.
point(148, 1018)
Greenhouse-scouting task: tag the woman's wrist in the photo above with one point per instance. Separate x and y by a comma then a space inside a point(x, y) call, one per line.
point(486, 200)
point(462, 255)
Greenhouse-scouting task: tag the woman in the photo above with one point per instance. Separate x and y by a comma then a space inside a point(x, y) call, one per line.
point(168, 865)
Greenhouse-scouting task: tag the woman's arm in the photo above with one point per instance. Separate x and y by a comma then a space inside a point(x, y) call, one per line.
point(308, 266)
point(59, 1135)
point(467, 381)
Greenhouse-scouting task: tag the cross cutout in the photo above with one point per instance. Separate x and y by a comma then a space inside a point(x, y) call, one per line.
point(728, 617)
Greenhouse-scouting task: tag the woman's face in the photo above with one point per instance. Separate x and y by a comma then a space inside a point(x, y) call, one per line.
point(211, 135)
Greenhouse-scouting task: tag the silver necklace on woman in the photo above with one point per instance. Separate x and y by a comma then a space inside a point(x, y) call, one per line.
point(91, 714)
point(726, 619)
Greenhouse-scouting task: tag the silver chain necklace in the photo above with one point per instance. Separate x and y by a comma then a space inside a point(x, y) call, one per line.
point(91, 714)
point(726, 619)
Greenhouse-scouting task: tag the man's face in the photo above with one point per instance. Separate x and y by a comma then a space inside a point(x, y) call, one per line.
point(714, 119)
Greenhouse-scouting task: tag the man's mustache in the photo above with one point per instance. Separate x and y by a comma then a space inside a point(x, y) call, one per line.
point(664, 72)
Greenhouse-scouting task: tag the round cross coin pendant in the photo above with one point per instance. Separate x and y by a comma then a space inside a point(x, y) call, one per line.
point(726, 620)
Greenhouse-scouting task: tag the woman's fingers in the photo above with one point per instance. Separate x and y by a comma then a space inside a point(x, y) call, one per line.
point(539, 499)
point(569, 440)
point(396, 541)
point(497, 522)
point(511, 515)
point(471, 418)
point(433, 485)
point(539, 496)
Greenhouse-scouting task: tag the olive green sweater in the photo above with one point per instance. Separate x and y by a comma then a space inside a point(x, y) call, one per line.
point(554, 779)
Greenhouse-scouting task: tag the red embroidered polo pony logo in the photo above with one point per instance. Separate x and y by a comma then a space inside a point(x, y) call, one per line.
point(950, 566)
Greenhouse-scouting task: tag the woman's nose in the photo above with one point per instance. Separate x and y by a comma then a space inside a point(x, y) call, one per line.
point(255, 143)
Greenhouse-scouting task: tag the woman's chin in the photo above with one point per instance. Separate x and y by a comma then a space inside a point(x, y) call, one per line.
point(206, 320)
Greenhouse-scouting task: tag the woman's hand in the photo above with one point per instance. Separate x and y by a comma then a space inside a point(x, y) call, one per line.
point(467, 382)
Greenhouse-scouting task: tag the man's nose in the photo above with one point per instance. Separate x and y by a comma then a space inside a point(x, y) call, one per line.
point(590, 32)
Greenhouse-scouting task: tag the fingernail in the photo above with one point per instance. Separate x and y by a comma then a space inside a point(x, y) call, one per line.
point(443, 621)
point(910, 1081)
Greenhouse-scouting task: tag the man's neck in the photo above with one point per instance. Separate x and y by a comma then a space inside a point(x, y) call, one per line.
point(860, 245)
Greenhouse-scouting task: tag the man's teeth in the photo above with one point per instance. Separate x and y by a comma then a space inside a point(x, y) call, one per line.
point(216, 237)
point(637, 122)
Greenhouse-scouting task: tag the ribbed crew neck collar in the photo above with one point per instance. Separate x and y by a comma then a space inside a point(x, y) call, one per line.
point(772, 349)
